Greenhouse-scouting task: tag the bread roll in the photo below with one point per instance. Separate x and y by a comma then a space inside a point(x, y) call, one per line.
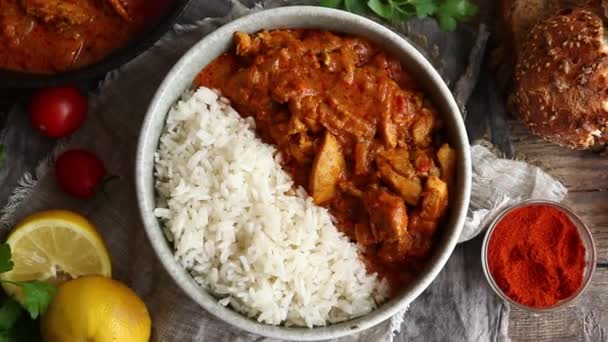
point(560, 86)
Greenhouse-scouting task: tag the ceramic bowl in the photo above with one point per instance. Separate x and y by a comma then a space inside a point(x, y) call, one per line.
point(180, 78)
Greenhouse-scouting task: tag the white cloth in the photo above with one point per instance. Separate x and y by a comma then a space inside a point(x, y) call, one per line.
point(499, 183)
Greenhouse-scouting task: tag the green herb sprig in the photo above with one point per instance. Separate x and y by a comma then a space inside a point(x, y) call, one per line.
point(447, 12)
point(37, 296)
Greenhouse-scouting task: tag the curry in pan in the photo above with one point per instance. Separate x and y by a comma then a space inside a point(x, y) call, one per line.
point(50, 36)
point(354, 129)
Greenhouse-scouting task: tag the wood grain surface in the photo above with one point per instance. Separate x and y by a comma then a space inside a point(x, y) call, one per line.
point(584, 320)
point(585, 174)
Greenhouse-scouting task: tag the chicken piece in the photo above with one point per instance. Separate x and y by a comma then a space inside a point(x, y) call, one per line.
point(302, 148)
point(120, 8)
point(425, 220)
point(434, 200)
point(389, 225)
point(327, 168)
point(447, 163)
point(420, 237)
point(408, 188)
point(387, 216)
point(386, 124)
point(362, 158)
point(296, 125)
point(243, 43)
point(395, 251)
point(422, 129)
point(247, 45)
point(306, 109)
point(338, 118)
point(421, 227)
point(388, 130)
point(350, 188)
point(424, 164)
point(58, 12)
point(314, 125)
point(363, 235)
point(399, 159)
point(278, 132)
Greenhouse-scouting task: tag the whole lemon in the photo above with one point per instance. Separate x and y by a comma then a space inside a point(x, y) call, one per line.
point(96, 309)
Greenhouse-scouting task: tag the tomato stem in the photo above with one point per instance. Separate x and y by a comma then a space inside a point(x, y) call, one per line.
point(102, 187)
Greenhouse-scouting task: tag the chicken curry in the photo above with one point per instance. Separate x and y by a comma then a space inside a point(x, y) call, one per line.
point(50, 36)
point(354, 129)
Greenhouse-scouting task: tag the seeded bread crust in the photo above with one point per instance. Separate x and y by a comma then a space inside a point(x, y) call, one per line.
point(561, 79)
point(520, 16)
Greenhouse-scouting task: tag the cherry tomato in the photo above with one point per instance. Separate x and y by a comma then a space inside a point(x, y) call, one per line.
point(79, 173)
point(58, 111)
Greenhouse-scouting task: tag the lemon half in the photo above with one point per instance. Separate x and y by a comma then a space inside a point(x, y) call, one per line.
point(55, 246)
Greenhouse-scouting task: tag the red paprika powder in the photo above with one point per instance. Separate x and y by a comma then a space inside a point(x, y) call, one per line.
point(536, 255)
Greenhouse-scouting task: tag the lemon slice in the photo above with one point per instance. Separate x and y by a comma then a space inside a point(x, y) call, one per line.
point(55, 246)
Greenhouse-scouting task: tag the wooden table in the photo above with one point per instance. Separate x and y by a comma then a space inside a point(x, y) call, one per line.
point(584, 173)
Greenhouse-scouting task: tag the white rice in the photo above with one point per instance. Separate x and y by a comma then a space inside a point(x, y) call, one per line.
point(243, 233)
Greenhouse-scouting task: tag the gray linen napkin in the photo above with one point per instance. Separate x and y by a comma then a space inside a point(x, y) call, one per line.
point(458, 305)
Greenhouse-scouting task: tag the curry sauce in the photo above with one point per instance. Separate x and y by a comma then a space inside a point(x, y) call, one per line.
point(354, 129)
point(49, 36)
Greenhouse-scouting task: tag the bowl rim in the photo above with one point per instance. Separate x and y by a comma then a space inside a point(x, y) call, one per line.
point(146, 198)
point(138, 45)
point(582, 228)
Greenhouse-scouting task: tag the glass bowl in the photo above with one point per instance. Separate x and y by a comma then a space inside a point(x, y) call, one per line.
point(586, 237)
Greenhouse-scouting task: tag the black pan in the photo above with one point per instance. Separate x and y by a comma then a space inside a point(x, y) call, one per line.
point(14, 79)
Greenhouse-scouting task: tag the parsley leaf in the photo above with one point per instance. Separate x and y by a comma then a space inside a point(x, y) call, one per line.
point(381, 8)
point(446, 22)
point(331, 3)
point(14, 326)
point(452, 11)
point(38, 296)
point(9, 314)
point(424, 8)
point(6, 264)
point(356, 6)
point(447, 12)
